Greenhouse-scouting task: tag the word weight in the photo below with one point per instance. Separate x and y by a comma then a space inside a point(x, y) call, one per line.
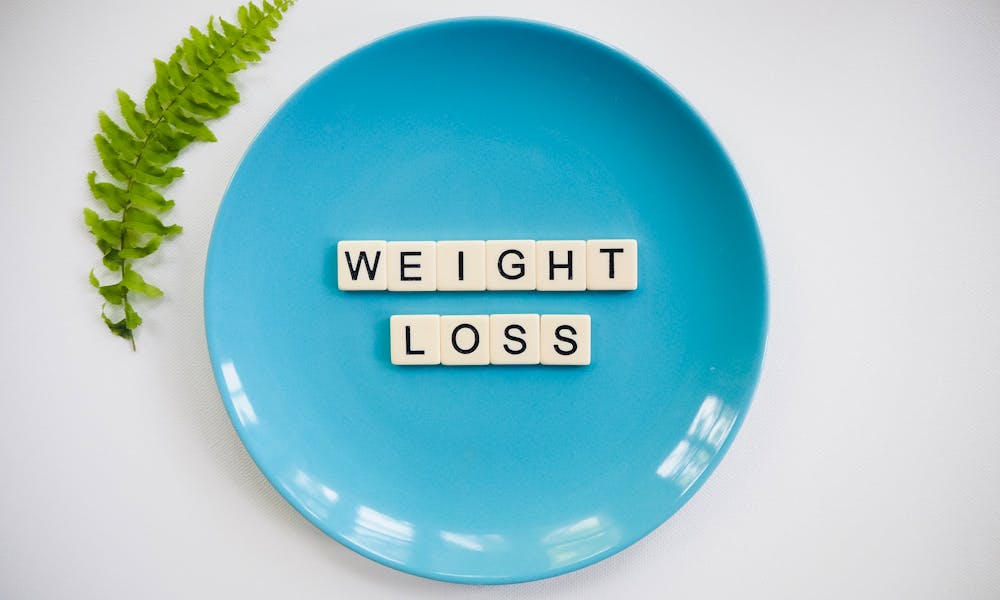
point(494, 265)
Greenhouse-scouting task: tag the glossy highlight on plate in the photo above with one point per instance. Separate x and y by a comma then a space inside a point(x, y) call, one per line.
point(485, 129)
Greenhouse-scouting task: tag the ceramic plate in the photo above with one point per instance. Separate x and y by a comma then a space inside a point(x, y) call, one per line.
point(485, 129)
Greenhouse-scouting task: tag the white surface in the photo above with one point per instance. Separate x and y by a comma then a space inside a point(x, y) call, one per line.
point(868, 135)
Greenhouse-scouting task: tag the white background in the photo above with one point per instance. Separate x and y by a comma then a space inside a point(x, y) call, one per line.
point(868, 135)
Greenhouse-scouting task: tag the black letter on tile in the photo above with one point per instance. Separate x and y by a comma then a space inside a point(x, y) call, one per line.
point(403, 266)
point(611, 259)
point(571, 341)
point(519, 266)
point(362, 258)
point(553, 266)
point(408, 349)
point(461, 265)
point(475, 339)
point(506, 333)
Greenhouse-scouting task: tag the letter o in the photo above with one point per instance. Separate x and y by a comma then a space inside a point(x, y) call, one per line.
point(475, 339)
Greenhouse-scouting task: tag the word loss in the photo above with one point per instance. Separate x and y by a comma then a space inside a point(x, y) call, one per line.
point(455, 266)
point(489, 339)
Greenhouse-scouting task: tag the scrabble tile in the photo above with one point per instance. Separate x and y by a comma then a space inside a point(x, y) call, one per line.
point(465, 340)
point(565, 339)
point(361, 265)
point(415, 339)
point(510, 264)
point(612, 265)
point(461, 266)
point(412, 266)
point(514, 339)
point(560, 266)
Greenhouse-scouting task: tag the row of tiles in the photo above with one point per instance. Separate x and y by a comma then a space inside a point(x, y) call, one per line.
point(452, 266)
point(516, 339)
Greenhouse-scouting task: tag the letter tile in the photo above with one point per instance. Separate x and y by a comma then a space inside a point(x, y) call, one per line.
point(412, 266)
point(461, 266)
point(612, 265)
point(415, 339)
point(361, 265)
point(514, 339)
point(510, 264)
point(565, 339)
point(465, 340)
point(561, 266)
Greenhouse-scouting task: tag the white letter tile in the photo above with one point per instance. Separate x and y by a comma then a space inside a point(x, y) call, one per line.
point(612, 265)
point(465, 340)
point(415, 339)
point(461, 266)
point(561, 266)
point(412, 266)
point(510, 264)
point(361, 265)
point(565, 339)
point(514, 339)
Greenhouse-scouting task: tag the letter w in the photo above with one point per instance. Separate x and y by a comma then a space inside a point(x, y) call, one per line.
point(362, 258)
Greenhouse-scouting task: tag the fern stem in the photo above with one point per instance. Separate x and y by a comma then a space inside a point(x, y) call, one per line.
point(131, 334)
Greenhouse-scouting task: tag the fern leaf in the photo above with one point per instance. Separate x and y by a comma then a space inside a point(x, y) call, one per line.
point(192, 87)
point(136, 121)
point(116, 167)
point(134, 282)
point(114, 197)
point(208, 99)
point(158, 155)
point(218, 85)
point(151, 175)
point(114, 294)
point(163, 88)
point(112, 259)
point(173, 140)
point(141, 221)
point(103, 229)
point(132, 318)
point(194, 61)
point(243, 17)
point(176, 76)
point(147, 198)
point(245, 54)
point(119, 328)
point(121, 141)
point(144, 250)
point(189, 125)
point(232, 32)
point(198, 110)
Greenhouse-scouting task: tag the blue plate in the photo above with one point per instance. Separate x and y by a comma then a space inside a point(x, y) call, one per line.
point(485, 129)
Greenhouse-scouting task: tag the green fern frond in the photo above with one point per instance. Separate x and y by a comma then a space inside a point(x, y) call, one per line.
point(192, 87)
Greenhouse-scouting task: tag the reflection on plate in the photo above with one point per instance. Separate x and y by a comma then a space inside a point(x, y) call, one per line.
point(485, 129)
